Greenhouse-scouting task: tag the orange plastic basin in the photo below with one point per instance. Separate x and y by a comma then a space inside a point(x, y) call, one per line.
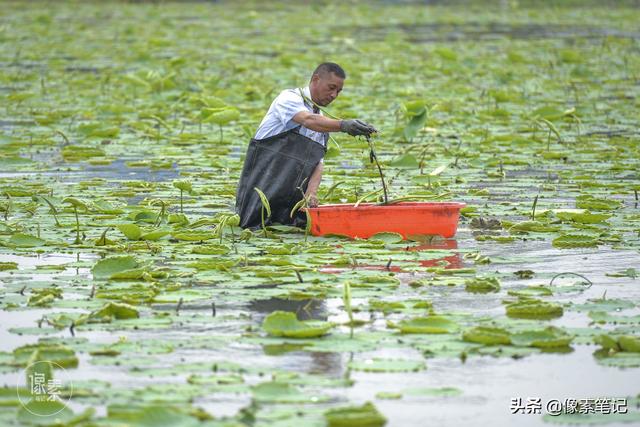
point(407, 218)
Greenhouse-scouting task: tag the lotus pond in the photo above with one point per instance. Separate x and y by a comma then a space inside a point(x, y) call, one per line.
point(123, 129)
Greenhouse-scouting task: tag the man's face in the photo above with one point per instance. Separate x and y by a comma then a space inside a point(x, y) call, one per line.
point(325, 88)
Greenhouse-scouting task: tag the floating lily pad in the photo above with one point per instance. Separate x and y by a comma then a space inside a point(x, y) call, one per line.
point(531, 291)
point(131, 231)
point(387, 237)
point(55, 353)
point(427, 325)
point(487, 335)
point(22, 240)
point(152, 415)
point(583, 218)
point(286, 324)
point(550, 337)
point(106, 268)
point(387, 365)
point(567, 241)
point(50, 412)
point(4, 266)
point(604, 317)
point(114, 310)
point(366, 415)
point(281, 392)
point(482, 285)
point(534, 309)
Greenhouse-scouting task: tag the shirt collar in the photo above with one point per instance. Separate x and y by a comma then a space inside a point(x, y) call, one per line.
point(307, 93)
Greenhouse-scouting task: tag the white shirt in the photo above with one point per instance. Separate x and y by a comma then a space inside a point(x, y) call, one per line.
point(279, 118)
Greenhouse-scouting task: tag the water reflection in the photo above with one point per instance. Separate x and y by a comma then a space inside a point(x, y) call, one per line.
point(324, 363)
point(450, 261)
point(118, 169)
point(305, 309)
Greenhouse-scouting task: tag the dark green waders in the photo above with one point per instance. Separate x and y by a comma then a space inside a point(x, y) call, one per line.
point(280, 166)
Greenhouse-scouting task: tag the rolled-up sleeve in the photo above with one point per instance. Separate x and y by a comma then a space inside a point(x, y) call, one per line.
point(288, 105)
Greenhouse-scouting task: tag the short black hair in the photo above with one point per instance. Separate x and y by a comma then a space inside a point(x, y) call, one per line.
point(330, 67)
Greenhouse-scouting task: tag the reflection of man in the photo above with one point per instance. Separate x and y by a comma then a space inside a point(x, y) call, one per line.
point(284, 159)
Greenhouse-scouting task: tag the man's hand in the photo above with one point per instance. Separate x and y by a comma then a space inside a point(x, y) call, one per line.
point(312, 200)
point(357, 128)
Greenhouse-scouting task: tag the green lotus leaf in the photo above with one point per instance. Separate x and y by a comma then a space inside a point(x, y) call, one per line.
point(155, 234)
point(607, 342)
point(131, 231)
point(76, 203)
point(114, 310)
point(22, 240)
point(104, 207)
point(428, 325)
point(283, 392)
point(183, 185)
point(210, 249)
point(550, 337)
point(583, 218)
point(629, 272)
point(55, 353)
point(97, 130)
point(74, 153)
point(44, 297)
point(153, 415)
point(629, 343)
point(487, 335)
point(482, 285)
point(107, 267)
point(531, 291)
point(387, 237)
point(193, 236)
point(4, 266)
point(568, 241)
point(386, 306)
point(387, 365)
point(286, 324)
point(604, 304)
point(50, 413)
point(534, 309)
point(223, 116)
point(604, 317)
point(415, 125)
point(366, 415)
point(132, 274)
point(407, 160)
point(593, 203)
point(533, 226)
point(548, 112)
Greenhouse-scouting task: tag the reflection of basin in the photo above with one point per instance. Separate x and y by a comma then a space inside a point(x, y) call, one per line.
point(454, 260)
point(367, 219)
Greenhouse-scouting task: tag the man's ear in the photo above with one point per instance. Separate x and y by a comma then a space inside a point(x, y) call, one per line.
point(315, 78)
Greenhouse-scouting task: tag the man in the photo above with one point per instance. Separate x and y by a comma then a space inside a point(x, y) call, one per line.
point(285, 158)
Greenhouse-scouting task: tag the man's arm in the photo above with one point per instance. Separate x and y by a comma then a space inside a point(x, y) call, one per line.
point(317, 122)
point(314, 183)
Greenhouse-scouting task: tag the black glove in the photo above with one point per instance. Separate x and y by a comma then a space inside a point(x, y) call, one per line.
point(357, 127)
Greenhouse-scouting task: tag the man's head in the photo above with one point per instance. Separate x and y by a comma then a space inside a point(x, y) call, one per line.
point(326, 83)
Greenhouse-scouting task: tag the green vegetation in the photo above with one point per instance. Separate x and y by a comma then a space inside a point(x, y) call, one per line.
point(123, 128)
